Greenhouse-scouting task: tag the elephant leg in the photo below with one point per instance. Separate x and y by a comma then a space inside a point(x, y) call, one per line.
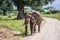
point(26, 30)
point(39, 27)
point(31, 28)
point(34, 28)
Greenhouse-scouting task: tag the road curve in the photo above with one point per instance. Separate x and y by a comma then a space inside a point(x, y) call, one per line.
point(50, 30)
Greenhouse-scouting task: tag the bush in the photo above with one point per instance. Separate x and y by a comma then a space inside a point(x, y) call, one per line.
point(47, 12)
point(54, 11)
point(9, 15)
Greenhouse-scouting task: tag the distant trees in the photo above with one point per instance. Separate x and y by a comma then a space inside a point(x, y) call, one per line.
point(21, 3)
point(55, 11)
point(38, 8)
point(51, 10)
point(5, 5)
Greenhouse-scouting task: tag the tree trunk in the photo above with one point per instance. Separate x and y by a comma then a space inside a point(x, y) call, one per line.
point(4, 13)
point(21, 12)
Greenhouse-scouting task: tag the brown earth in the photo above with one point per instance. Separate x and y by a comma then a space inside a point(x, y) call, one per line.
point(50, 30)
point(8, 34)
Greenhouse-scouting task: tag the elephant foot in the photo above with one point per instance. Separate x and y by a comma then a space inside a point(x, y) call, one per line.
point(38, 31)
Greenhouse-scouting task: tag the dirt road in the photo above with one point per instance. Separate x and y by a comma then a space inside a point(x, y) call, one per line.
point(50, 30)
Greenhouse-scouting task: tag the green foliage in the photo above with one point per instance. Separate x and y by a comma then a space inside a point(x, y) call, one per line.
point(38, 8)
point(55, 11)
point(31, 3)
point(12, 23)
point(1, 12)
point(6, 5)
point(15, 13)
point(9, 16)
point(56, 15)
point(51, 10)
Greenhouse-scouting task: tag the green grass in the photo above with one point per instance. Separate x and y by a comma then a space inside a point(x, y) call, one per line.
point(56, 16)
point(18, 24)
point(1, 31)
point(12, 23)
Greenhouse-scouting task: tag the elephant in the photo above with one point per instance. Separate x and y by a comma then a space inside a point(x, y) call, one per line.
point(33, 18)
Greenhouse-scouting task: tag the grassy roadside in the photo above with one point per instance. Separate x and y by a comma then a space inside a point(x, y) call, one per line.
point(56, 16)
point(18, 24)
point(12, 23)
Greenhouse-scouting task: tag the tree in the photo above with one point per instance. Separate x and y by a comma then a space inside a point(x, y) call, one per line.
point(21, 3)
point(5, 5)
point(38, 8)
point(49, 9)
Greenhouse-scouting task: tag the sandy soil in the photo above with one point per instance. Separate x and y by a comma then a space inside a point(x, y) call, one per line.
point(50, 30)
point(8, 34)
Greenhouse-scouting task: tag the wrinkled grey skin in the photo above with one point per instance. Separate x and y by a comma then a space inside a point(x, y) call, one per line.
point(34, 18)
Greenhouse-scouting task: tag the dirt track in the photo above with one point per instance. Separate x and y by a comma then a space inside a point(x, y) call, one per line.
point(8, 34)
point(50, 30)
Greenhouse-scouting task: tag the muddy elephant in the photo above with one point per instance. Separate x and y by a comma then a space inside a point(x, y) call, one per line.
point(33, 18)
